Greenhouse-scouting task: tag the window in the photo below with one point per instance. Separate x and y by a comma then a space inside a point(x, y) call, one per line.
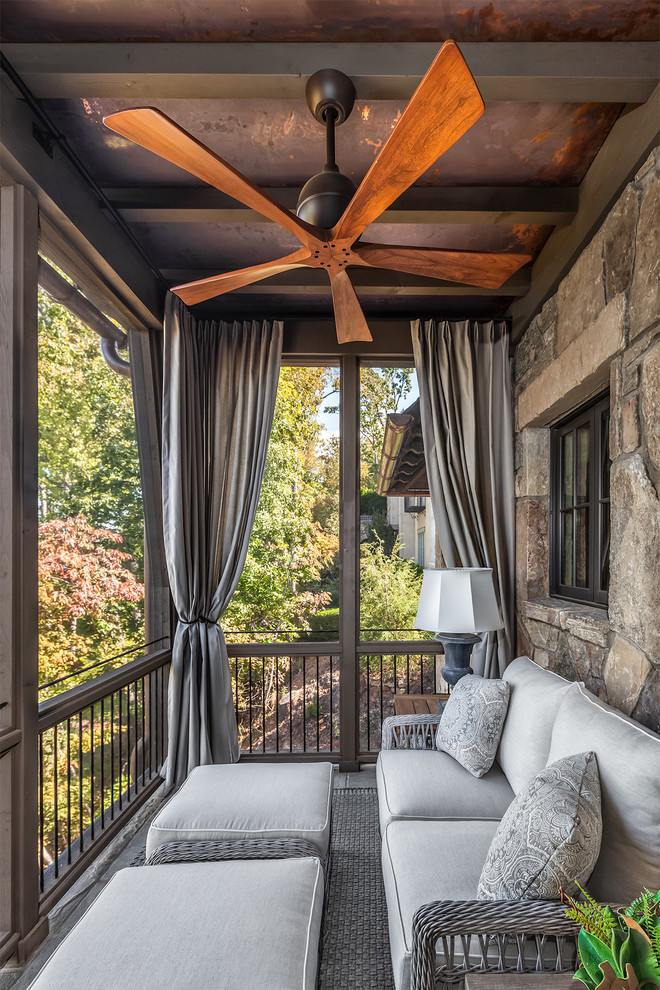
point(420, 547)
point(414, 503)
point(580, 542)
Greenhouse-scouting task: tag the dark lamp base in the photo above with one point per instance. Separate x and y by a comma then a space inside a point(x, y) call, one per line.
point(458, 648)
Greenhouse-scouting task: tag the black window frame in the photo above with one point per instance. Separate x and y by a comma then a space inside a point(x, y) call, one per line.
point(596, 416)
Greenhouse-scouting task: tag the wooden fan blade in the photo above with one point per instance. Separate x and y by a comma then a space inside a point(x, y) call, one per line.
point(349, 318)
point(445, 104)
point(152, 130)
point(217, 285)
point(489, 271)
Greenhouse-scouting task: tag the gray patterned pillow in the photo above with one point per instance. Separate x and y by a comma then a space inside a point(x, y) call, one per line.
point(549, 836)
point(472, 721)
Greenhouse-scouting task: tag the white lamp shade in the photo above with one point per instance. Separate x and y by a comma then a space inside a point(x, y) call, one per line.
point(458, 600)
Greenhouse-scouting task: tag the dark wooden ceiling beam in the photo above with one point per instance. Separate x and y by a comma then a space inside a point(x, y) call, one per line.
point(374, 281)
point(427, 205)
point(614, 72)
point(626, 147)
point(126, 286)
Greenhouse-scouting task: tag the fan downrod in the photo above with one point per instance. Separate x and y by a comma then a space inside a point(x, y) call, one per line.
point(324, 197)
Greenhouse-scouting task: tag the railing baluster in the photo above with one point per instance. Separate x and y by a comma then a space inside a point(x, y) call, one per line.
point(318, 709)
point(144, 748)
point(56, 821)
point(368, 703)
point(120, 767)
point(277, 704)
point(304, 704)
point(332, 711)
point(290, 704)
point(68, 790)
point(41, 812)
point(80, 783)
point(136, 742)
point(250, 700)
point(112, 756)
point(263, 705)
point(91, 768)
point(102, 763)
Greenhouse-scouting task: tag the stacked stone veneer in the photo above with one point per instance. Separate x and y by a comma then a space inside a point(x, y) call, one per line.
point(602, 326)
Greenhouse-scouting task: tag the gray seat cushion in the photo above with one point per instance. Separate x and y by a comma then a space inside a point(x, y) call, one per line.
point(534, 699)
point(427, 784)
point(424, 862)
point(249, 800)
point(197, 926)
point(628, 757)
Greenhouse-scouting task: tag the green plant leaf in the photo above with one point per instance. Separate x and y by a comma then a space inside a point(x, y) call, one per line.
point(592, 953)
point(637, 951)
point(585, 978)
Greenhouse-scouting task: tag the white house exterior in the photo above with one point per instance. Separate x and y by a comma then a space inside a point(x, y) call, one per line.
point(412, 518)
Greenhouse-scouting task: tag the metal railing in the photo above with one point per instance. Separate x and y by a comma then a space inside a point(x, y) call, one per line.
point(101, 746)
point(286, 697)
point(387, 669)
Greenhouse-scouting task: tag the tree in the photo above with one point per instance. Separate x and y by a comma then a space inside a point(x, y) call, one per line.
point(88, 461)
point(389, 592)
point(88, 598)
point(382, 390)
point(288, 547)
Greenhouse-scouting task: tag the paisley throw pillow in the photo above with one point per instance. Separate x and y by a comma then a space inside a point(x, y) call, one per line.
point(472, 721)
point(549, 836)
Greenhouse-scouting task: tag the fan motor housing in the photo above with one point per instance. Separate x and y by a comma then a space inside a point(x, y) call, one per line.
point(324, 198)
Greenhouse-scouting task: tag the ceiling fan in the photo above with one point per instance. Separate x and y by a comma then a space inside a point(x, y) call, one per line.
point(332, 214)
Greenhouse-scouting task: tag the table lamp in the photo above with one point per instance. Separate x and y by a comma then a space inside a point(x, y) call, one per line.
point(456, 603)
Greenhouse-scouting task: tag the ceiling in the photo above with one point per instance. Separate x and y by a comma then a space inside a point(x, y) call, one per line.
point(569, 90)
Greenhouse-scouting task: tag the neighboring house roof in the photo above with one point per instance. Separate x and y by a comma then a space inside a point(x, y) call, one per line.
point(402, 468)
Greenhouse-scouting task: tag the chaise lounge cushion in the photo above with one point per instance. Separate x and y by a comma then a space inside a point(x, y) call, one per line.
point(424, 862)
point(535, 696)
point(197, 926)
point(427, 784)
point(249, 800)
point(549, 838)
point(629, 765)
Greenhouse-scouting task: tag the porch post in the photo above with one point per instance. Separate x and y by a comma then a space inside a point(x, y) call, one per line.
point(349, 562)
point(20, 926)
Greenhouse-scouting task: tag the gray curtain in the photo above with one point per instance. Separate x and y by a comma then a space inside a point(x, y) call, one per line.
point(219, 388)
point(465, 398)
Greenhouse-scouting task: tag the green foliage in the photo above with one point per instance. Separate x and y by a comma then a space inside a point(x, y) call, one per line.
point(88, 461)
point(621, 946)
point(381, 392)
point(289, 548)
point(389, 592)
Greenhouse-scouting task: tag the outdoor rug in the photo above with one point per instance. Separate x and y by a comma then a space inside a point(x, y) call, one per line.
point(355, 952)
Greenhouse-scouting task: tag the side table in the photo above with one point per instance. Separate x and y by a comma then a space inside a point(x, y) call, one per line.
point(520, 981)
point(417, 704)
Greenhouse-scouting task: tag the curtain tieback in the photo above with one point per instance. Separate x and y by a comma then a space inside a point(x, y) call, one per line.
point(200, 618)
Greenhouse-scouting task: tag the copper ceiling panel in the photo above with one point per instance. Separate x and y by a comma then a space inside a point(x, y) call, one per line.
point(278, 143)
point(338, 20)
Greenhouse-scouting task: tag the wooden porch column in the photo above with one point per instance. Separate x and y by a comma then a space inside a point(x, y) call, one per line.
point(20, 926)
point(349, 561)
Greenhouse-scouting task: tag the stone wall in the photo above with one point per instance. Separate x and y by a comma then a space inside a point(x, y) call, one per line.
point(602, 326)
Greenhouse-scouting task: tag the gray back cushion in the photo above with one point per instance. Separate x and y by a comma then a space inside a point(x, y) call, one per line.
point(629, 766)
point(534, 699)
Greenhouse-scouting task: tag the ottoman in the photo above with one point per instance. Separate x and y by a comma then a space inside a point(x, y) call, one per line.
point(249, 801)
point(197, 926)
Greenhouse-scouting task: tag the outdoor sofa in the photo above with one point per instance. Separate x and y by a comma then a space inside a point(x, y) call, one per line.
point(437, 822)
